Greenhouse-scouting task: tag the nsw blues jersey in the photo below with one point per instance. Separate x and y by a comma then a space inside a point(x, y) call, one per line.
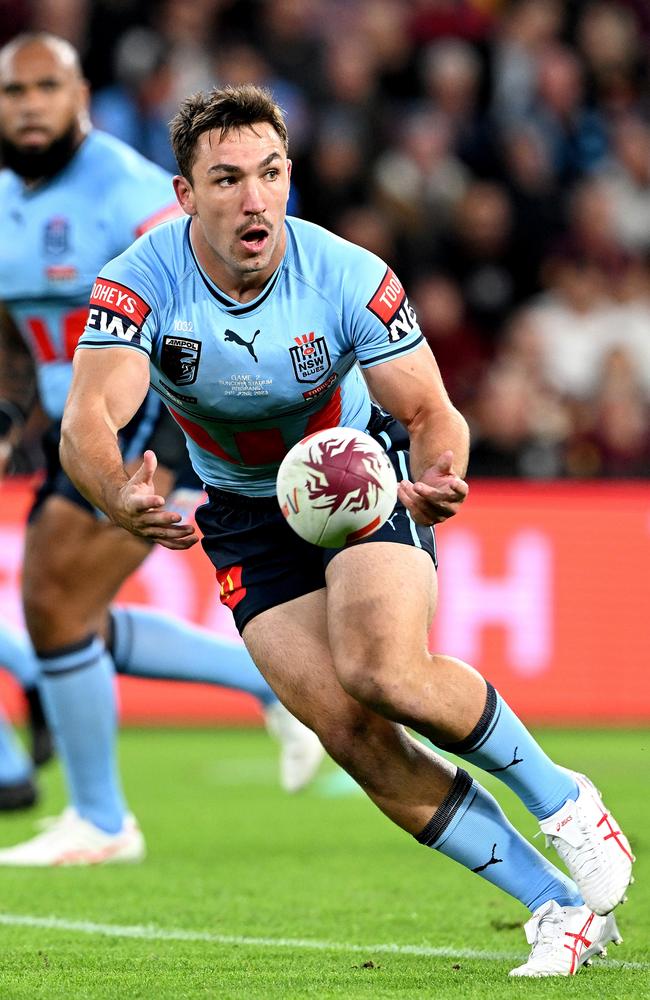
point(247, 381)
point(56, 236)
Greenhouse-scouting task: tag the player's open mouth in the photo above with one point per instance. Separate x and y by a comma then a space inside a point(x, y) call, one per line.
point(255, 239)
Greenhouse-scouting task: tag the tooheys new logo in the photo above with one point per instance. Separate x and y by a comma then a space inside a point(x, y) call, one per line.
point(117, 310)
point(390, 305)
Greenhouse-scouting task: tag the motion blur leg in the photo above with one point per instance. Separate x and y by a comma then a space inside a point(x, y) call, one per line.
point(17, 656)
point(15, 765)
point(470, 827)
point(146, 643)
point(79, 694)
point(501, 745)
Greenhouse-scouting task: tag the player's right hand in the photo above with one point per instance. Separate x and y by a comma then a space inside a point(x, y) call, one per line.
point(139, 510)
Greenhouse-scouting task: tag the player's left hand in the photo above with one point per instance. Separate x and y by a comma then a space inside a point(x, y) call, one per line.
point(437, 495)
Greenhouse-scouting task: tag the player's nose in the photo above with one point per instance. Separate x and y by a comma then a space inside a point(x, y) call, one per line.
point(253, 200)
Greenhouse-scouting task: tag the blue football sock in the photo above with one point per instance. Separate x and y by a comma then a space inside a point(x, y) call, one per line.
point(501, 745)
point(470, 827)
point(78, 687)
point(17, 656)
point(15, 765)
point(147, 643)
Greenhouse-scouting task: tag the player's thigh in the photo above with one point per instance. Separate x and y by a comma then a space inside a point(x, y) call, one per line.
point(74, 557)
point(290, 645)
point(380, 601)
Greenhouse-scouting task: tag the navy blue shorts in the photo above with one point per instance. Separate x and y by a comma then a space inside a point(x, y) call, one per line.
point(261, 562)
point(151, 427)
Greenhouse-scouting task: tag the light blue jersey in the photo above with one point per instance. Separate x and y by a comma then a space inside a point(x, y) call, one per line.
point(55, 237)
point(246, 381)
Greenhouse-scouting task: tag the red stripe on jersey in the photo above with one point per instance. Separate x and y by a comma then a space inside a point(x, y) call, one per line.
point(260, 447)
point(121, 300)
point(44, 348)
point(166, 214)
point(201, 437)
point(329, 415)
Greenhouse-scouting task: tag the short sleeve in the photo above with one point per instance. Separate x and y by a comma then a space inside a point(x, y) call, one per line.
point(123, 309)
point(383, 324)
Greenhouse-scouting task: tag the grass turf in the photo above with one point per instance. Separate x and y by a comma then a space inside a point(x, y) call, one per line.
point(230, 855)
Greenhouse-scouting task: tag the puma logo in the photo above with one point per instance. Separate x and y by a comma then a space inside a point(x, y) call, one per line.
point(492, 861)
point(515, 760)
point(230, 335)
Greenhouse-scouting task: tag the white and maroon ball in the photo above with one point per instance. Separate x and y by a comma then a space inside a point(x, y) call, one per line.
point(336, 486)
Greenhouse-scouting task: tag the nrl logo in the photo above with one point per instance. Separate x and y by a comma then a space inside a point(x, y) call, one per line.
point(310, 357)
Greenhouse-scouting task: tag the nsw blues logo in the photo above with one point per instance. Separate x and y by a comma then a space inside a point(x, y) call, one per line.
point(179, 359)
point(56, 237)
point(310, 357)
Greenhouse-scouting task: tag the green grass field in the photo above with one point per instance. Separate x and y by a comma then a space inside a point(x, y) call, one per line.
point(248, 892)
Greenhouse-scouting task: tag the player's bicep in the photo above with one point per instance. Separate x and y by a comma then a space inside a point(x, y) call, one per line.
point(108, 385)
point(408, 386)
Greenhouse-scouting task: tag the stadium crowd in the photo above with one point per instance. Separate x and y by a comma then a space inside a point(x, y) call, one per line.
point(495, 152)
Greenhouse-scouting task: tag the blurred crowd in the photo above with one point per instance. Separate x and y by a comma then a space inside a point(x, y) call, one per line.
point(496, 153)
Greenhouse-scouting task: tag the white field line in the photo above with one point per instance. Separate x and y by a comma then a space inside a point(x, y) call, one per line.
point(149, 932)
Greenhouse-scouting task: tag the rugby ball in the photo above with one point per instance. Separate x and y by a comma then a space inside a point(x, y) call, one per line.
point(336, 486)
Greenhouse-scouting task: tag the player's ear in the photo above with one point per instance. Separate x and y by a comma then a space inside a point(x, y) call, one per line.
point(184, 194)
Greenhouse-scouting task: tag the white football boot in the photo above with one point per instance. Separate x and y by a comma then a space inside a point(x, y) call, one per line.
point(565, 937)
point(301, 751)
point(70, 840)
point(591, 845)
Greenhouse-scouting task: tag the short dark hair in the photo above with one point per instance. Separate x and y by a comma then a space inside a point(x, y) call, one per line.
point(227, 108)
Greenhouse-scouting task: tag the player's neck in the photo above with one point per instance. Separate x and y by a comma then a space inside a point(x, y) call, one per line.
point(242, 286)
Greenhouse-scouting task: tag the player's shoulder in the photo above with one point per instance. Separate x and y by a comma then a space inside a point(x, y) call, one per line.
point(156, 263)
point(325, 249)
point(108, 154)
point(329, 262)
point(9, 182)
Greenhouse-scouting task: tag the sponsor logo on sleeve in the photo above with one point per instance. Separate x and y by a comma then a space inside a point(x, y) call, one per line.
point(391, 306)
point(117, 310)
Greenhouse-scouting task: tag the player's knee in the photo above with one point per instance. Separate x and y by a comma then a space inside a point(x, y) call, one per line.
point(371, 681)
point(45, 606)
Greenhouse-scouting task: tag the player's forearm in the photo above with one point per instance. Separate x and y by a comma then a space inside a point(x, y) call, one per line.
point(434, 431)
point(91, 457)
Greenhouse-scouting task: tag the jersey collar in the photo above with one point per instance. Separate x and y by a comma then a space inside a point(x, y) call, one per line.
point(230, 305)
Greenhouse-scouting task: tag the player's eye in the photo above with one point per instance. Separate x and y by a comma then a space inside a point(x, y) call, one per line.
point(49, 85)
point(272, 173)
point(227, 181)
point(12, 90)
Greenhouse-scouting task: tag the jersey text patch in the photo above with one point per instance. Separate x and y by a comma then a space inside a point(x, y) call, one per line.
point(390, 305)
point(179, 359)
point(117, 310)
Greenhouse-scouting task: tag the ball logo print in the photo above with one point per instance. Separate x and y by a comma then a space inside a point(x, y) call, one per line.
point(336, 486)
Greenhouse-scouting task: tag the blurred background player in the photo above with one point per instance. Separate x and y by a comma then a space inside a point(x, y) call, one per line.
point(72, 198)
